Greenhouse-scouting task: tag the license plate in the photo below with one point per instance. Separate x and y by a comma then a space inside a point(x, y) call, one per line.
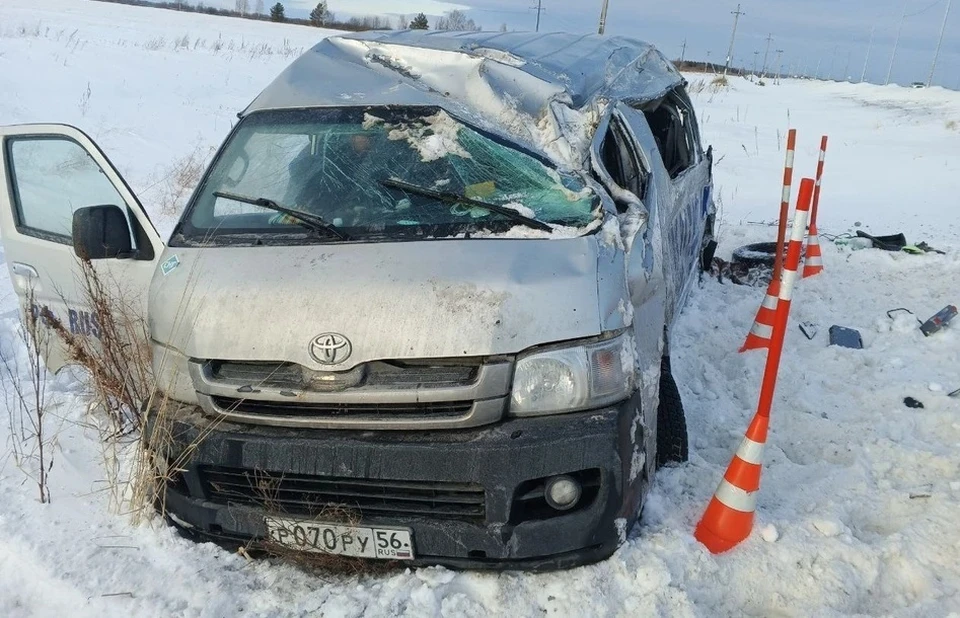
point(340, 540)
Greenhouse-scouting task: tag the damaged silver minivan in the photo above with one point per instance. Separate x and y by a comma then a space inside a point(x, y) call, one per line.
point(428, 281)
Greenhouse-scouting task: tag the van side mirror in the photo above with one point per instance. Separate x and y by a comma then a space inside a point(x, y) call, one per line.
point(101, 232)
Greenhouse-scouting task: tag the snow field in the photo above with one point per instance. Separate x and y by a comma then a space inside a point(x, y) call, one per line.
point(858, 508)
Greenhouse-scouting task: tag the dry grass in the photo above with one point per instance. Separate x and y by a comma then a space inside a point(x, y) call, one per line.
point(179, 180)
point(141, 452)
point(720, 81)
point(119, 362)
point(697, 87)
point(953, 125)
point(120, 366)
point(33, 429)
point(316, 562)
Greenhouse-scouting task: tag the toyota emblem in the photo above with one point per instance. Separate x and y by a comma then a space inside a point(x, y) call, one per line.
point(330, 349)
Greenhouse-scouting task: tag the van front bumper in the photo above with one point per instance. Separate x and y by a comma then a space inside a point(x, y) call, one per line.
point(505, 464)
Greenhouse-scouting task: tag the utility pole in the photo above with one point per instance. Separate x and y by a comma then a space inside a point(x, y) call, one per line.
point(833, 59)
point(539, 9)
point(936, 55)
point(766, 54)
point(866, 60)
point(710, 64)
point(896, 42)
point(683, 51)
point(819, 62)
point(603, 16)
point(756, 56)
point(779, 64)
point(733, 38)
point(846, 69)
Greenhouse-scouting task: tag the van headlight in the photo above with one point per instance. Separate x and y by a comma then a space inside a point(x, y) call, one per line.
point(578, 377)
point(172, 374)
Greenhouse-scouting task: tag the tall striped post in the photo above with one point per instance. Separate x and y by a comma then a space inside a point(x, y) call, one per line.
point(813, 259)
point(762, 329)
point(729, 517)
point(785, 203)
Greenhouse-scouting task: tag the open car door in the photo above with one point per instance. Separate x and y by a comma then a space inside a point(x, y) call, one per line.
point(60, 196)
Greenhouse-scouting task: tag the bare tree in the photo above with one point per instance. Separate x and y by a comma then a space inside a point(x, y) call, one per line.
point(457, 20)
point(370, 22)
point(32, 438)
point(242, 6)
point(259, 7)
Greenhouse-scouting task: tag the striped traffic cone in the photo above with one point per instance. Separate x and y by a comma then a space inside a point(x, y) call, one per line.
point(728, 519)
point(762, 330)
point(813, 259)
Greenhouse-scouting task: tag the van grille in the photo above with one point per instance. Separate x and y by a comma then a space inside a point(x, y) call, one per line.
point(299, 494)
point(376, 374)
point(371, 411)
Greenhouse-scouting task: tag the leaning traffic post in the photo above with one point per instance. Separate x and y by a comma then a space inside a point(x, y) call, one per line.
point(729, 517)
point(813, 257)
point(762, 330)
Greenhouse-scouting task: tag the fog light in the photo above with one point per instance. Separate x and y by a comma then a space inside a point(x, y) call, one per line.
point(562, 492)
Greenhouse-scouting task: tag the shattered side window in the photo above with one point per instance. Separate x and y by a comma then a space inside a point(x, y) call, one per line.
point(339, 165)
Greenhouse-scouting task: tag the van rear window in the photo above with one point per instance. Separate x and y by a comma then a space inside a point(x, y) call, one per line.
point(349, 166)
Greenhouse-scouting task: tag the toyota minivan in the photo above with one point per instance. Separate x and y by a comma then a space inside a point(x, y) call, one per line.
point(429, 281)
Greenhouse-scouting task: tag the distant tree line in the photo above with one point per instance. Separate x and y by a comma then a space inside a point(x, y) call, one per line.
point(320, 16)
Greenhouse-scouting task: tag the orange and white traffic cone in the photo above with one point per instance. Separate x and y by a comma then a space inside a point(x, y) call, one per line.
point(762, 329)
point(728, 519)
point(813, 259)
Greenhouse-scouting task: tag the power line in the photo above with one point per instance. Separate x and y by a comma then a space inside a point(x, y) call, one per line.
point(539, 9)
point(896, 42)
point(866, 60)
point(603, 15)
point(766, 54)
point(733, 38)
point(925, 9)
point(936, 55)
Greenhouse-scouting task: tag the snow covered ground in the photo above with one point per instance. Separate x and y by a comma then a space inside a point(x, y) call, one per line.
point(862, 492)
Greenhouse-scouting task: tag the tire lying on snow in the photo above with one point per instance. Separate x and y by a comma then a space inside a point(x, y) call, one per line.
point(756, 254)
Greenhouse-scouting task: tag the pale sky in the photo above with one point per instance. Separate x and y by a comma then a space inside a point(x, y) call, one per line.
point(832, 33)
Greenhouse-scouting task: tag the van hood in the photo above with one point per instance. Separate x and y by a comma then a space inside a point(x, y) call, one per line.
point(411, 300)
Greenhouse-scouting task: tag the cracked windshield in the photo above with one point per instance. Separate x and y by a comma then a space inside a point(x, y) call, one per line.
point(377, 174)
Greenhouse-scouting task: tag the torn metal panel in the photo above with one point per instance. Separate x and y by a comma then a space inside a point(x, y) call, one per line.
point(509, 84)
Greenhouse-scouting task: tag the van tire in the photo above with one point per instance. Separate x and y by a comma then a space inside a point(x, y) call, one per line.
point(672, 444)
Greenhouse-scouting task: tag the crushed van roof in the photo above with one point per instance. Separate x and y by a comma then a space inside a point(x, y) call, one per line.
point(506, 83)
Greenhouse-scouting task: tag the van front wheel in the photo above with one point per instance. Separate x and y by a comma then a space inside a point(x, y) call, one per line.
point(672, 446)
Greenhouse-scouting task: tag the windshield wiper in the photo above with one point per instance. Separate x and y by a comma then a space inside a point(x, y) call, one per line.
point(454, 198)
point(305, 219)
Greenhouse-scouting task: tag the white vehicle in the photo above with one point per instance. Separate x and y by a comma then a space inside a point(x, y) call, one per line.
point(429, 278)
